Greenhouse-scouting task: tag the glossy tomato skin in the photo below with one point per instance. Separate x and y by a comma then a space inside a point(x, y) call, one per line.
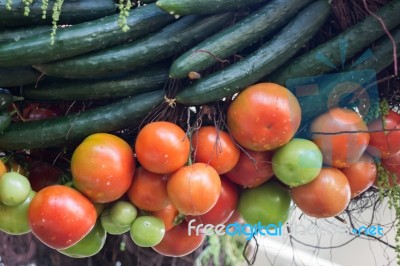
point(216, 148)
point(102, 167)
point(340, 149)
point(148, 190)
point(61, 216)
point(223, 209)
point(162, 147)
point(147, 231)
point(264, 117)
point(194, 189)
point(385, 144)
point(361, 174)
point(178, 243)
point(43, 174)
point(392, 164)
point(168, 214)
point(253, 168)
point(326, 196)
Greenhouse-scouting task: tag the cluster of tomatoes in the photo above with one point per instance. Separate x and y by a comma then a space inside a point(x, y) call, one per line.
point(254, 170)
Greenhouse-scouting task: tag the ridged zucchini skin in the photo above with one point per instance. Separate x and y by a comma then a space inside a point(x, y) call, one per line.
point(62, 130)
point(72, 12)
point(185, 7)
point(83, 38)
point(236, 37)
point(358, 37)
point(16, 34)
point(173, 38)
point(18, 76)
point(85, 89)
point(263, 61)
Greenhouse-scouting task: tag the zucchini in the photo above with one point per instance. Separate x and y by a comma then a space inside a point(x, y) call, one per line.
point(236, 37)
point(127, 85)
point(185, 7)
point(82, 38)
point(72, 12)
point(173, 38)
point(264, 60)
point(59, 131)
point(16, 34)
point(353, 39)
point(6, 99)
point(17, 76)
point(5, 120)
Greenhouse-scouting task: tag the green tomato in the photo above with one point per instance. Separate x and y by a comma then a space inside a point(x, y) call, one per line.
point(14, 219)
point(90, 245)
point(14, 188)
point(268, 204)
point(297, 163)
point(123, 213)
point(147, 231)
point(110, 226)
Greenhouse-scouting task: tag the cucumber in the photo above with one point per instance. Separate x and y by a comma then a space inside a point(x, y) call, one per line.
point(264, 60)
point(5, 120)
point(236, 37)
point(134, 83)
point(16, 34)
point(6, 99)
point(185, 7)
point(72, 12)
point(173, 38)
point(353, 40)
point(18, 76)
point(82, 38)
point(59, 131)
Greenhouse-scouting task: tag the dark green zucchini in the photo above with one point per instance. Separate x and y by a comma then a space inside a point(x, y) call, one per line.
point(352, 40)
point(72, 12)
point(82, 38)
point(59, 131)
point(16, 34)
point(5, 120)
point(146, 80)
point(17, 76)
point(264, 60)
point(185, 7)
point(6, 99)
point(171, 39)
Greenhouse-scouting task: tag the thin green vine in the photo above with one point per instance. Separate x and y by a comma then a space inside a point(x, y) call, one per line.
point(45, 4)
point(9, 4)
point(124, 14)
point(56, 16)
point(27, 4)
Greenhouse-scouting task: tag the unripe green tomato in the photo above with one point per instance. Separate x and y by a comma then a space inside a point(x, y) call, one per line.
point(110, 226)
point(147, 231)
point(14, 189)
point(123, 213)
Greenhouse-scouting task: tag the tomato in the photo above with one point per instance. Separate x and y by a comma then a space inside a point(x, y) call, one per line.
point(385, 144)
point(147, 231)
point(14, 220)
point(297, 162)
point(361, 174)
point(392, 164)
point(149, 190)
point(216, 148)
point(89, 246)
point(60, 216)
point(264, 117)
point(123, 213)
point(3, 168)
point(326, 196)
point(340, 149)
point(235, 218)
point(162, 147)
point(224, 207)
point(194, 189)
point(14, 188)
point(269, 203)
point(42, 174)
point(39, 113)
point(111, 227)
point(102, 167)
point(168, 214)
point(178, 243)
point(252, 169)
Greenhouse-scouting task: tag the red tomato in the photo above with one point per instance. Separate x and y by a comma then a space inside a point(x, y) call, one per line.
point(35, 112)
point(361, 174)
point(384, 144)
point(60, 216)
point(149, 190)
point(194, 189)
point(264, 117)
point(392, 164)
point(162, 147)
point(102, 167)
point(340, 149)
point(326, 196)
point(224, 207)
point(252, 169)
point(216, 148)
point(42, 174)
point(168, 215)
point(178, 243)
point(235, 218)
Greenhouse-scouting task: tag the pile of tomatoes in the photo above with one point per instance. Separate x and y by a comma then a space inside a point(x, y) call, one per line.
point(253, 171)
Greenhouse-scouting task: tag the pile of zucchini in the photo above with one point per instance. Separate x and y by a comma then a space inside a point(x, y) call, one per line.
point(93, 59)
